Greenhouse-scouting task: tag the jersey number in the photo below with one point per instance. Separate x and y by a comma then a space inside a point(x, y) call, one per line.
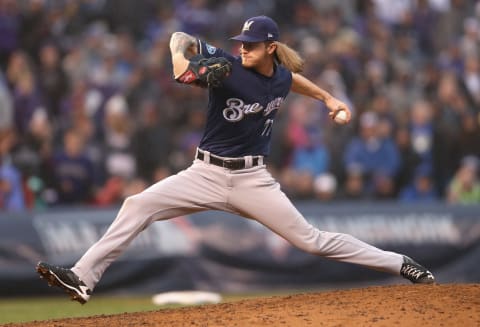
point(267, 128)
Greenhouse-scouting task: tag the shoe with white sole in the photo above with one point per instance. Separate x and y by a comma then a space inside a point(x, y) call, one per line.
point(66, 280)
point(415, 272)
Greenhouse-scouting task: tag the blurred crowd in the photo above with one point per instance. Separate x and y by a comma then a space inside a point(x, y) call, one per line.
point(89, 112)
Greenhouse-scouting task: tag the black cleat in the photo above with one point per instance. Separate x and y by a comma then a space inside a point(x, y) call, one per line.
point(415, 272)
point(66, 280)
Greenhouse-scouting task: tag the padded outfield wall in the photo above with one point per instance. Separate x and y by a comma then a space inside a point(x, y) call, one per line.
point(225, 253)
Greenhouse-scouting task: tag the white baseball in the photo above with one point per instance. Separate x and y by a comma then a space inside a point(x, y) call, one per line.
point(341, 117)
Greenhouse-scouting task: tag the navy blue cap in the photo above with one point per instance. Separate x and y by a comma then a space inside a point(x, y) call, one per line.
point(258, 29)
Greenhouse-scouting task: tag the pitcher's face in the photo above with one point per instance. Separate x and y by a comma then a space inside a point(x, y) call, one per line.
point(256, 54)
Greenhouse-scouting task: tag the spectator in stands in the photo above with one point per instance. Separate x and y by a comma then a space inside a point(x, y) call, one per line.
point(187, 139)
point(53, 81)
point(377, 158)
point(392, 13)
point(464, 188)
point(32, 156)
point(313, 157)
point(469, 135)
point(73, 170)
point(309, 156)
point(10, 26)
point(120, 164)
point(381, 105)
point(422, 132)
point(35, 25)
point(119, 160)
point(354, 185)
point(19, 64)
point(195, 16)
point(410, 159)
point(469, 40)
point(421, 189)
point(71, 57)
point(26, 100)
point(11, 183)
point(470, 81)
point(449, 101)
point(309, 153)
point(449, 108)
point(151, 133)
point(6, 106)
point(425, 19)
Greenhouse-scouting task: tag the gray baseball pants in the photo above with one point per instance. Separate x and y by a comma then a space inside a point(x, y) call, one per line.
point(250, 192)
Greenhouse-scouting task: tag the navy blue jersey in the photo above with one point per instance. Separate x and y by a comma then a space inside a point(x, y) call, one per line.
point(241, 112)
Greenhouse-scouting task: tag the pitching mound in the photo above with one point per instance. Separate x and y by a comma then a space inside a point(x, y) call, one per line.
point(403, 305)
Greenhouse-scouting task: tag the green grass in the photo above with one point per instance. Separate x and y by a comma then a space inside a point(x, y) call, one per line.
point(16, 310)
point(29, 309)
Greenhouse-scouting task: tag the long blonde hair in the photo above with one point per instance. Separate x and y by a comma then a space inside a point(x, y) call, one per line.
point(289, 57)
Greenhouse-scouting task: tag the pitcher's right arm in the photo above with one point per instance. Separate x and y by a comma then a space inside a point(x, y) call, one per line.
point(304, 86)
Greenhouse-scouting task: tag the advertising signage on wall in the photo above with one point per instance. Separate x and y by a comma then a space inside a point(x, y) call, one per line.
point(222, 252)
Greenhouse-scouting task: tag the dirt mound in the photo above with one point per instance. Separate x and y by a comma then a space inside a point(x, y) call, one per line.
point(403, 305)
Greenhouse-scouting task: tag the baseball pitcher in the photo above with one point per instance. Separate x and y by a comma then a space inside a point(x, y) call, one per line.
point(228, 172)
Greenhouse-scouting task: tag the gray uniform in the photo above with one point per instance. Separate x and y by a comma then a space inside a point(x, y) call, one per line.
point(250, 192)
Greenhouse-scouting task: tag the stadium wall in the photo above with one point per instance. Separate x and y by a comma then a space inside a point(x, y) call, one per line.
point(221, 252)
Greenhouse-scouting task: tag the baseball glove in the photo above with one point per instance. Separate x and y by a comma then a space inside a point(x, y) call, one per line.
point(206, 72)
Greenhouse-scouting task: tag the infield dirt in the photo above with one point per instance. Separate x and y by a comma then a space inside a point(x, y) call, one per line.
point(401, 305)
